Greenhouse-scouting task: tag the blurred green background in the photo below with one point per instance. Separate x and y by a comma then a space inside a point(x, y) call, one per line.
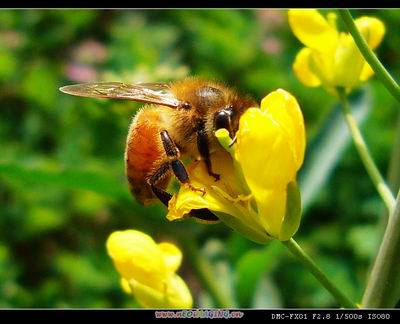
point(62, 183)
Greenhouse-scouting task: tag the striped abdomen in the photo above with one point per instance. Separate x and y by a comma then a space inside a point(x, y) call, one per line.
point(144, 153)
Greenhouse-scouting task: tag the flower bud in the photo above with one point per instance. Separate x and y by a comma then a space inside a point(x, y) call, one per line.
point(148, 269)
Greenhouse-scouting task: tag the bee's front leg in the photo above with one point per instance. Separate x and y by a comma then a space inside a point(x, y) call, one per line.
point(202, 146)
point(181, 174)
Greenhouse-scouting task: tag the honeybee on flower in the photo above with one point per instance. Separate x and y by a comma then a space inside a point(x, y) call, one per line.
point(257, 194)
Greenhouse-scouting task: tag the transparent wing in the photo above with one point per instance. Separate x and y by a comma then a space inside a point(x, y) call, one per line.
point(156, 93)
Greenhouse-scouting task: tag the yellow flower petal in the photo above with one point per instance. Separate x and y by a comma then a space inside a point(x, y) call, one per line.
point(366, 72)
point(312, 29)
point(372, 29)
point(174, 294)
point(172, 255)
point(187, 199)
point(125, 286)
point(285, 110)
point(347, 55)
point(180, 293)
point(262, 151)
point(137, 256)
point(180, 205)
point(301, 67)
point(271, 208)
point(268, 160)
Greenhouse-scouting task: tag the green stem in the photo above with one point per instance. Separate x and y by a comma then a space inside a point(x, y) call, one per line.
point(383, 287)
point(365, 155)
point(204, 273)
point(393, 175)
point(298, 252)
point(369, 55)
point(394, 164)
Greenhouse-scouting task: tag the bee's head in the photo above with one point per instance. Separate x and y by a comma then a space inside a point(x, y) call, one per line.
point(221, 105)
point(228, 117)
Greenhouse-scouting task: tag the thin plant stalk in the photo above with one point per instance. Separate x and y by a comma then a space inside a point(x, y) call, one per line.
point(380, 71)
point(299, 253)
point(393, 175)
point(394, 164)
point(376, 177)
point(383, 287)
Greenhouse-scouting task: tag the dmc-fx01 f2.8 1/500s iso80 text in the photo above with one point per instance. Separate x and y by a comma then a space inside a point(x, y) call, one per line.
point(327, 315)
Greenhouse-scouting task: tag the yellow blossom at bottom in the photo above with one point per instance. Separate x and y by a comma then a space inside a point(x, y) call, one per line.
point(257, 194)
point(148, 270)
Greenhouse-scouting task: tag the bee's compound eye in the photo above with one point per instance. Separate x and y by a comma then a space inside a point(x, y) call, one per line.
point(222, 119)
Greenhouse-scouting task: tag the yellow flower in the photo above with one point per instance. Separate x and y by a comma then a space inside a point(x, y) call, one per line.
point(148, 269)
point(257, 193)
point(331, 58)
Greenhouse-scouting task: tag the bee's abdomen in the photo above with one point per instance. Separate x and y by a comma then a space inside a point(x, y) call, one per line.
point(143, 154)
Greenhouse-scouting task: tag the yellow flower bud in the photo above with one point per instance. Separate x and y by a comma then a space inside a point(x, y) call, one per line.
point(331, 58)
point(257, 193)
point(148, 269)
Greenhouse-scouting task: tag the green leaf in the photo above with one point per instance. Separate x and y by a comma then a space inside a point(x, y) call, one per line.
point(82, 272)
point(41, 219)
point(8, 64)
point(327, 147)
point(251, 267)
point(41, 76)
point(65, 177)
point(96, 181)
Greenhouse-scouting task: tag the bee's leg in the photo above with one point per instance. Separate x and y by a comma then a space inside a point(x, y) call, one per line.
point(181, 174)
point(204, 214)
point(161, 194)
point(177, 166)
point(165, 197)
point(202, 146)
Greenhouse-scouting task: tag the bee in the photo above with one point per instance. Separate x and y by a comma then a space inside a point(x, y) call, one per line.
point(177, 122)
